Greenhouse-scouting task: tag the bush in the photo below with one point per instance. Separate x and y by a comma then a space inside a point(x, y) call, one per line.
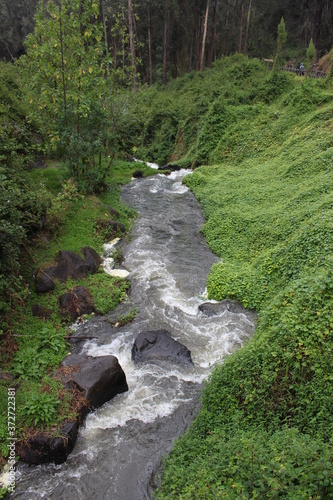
point(22, 204)
point(253, 464)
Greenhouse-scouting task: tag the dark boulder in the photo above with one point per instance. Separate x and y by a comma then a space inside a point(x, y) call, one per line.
point(169, 167)
point(91, 259)
point(138, 174)
point(76, 302)
point(66, 265)
point(213, 309)
point(43, 448)
point(40, 311)
point(100, 379)
point(116, 226)
point(45, 281)
point(158, 345)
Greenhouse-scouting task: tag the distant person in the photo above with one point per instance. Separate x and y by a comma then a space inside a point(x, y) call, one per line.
point(298, 69)
point(302, 68)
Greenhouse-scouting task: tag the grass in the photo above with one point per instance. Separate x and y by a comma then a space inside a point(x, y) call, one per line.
point(52, 176)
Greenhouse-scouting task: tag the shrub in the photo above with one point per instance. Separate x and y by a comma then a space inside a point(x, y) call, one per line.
point(41, 409)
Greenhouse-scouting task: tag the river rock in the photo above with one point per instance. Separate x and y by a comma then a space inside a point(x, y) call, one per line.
point(40, 311)
point(76, 302)
point(158, 345)
point(169, 167)
point(92, 260)
point(100, 379)
point(43, 448)
point(215, 308)
point(138, 174)
point(66, 265)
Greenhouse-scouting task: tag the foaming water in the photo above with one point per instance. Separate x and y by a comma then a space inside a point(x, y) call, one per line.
point(121, 443)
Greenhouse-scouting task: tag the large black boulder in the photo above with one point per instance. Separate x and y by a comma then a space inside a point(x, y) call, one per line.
point(68, 264)
point(100, 379)
point(43, 448)
point(137, 174)
point(158, 345)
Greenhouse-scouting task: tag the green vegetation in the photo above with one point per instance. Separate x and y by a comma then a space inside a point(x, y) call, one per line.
point(266, 424)
point(22, 203)
point(43, 210)
point(32, 347)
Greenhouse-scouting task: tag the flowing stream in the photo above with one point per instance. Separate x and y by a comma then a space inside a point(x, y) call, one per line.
point(121, 444)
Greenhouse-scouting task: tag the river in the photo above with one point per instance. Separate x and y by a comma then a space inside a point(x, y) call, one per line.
point(121, 444)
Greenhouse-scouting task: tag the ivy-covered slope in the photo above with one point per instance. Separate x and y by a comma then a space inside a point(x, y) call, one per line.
point(266, 424)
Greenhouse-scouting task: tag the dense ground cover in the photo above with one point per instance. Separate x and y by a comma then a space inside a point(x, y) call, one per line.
point(266, 424)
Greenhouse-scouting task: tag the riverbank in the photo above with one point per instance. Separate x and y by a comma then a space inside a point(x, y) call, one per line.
point(33, 345)
point(266, 424)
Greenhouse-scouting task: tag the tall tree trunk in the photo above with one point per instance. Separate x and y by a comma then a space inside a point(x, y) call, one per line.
point(149, 49)
point(247, 27)
point(240, 28)
point(202, 60)
point(105, 35)
point(191, 50)
point(231, 28)
point(63, 64)
point(165, 47)
point(212, 41)
point(132, 45)
point(224, 42)
point(197, 65)
point(316, 24)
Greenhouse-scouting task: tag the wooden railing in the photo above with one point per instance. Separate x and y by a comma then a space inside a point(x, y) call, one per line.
point(313, 72)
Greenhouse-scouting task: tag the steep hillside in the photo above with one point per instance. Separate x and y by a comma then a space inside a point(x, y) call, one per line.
point(266, 424)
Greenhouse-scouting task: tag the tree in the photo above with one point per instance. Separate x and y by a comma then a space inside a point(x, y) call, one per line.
point(165, 42)
point(240, 27)
point(66, 67)
point(282, 38)
point(213, 35)
point(202, 59)
point(247, 27)
point(311, 54)
point(132, 44)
